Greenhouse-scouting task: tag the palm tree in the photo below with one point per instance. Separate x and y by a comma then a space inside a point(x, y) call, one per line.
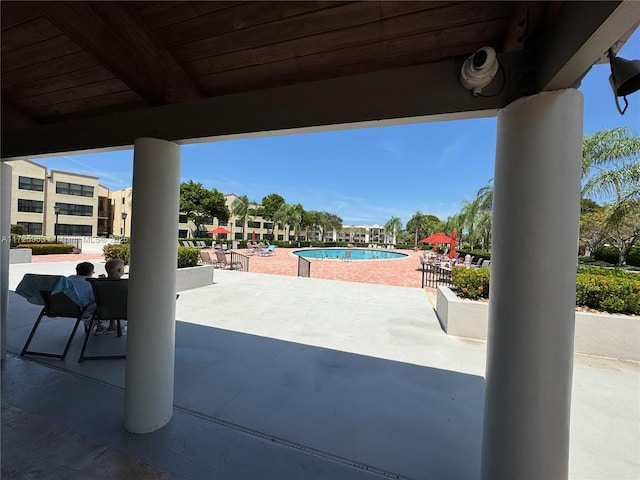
point(394, 225)
point(240, 209)
point(611, 171)
point(611, 165)
point(290, 215)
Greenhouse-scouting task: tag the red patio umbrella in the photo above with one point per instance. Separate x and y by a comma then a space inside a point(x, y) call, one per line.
point(253, 237)
point(219, 230)
point(436, 238)
point(452, 248)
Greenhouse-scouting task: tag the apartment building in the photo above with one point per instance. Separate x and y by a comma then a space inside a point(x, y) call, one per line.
point(256, 226)
point(70, 204)
point(57, 203)
point(361, 234)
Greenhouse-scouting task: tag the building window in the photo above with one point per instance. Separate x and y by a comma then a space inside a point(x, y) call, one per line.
point(32, 206)
point(74, 189)
point(76, 230)
point(32, 228)
point(280, 238)
point(28, 183)
point(183, 233)
point(254, 224)
point(76, 210)
point(223, 224)
point(182, 218)
point(268, 225)
point(238, 236)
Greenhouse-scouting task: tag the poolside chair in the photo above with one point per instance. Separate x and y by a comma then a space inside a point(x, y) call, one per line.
point(111, 304)
point(184, 243)
point(224, 263)
point(206, 258)
point(347, 256)
point(270, 250)
point(60, 299)
point(201, 244)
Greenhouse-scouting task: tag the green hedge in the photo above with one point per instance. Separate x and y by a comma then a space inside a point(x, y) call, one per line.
point(476, 254)
point(472, 283)
point(633, 257)
point(187, 256)
point(47, 248)
point(603, 289)
point(609, 293)
point(117, 250)
point(607, 254)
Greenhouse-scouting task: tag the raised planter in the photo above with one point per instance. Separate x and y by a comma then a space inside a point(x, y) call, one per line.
point(194, 277)
point(19, 255)
point(602, 334)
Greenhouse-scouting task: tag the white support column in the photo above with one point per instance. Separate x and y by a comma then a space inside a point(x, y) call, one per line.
point(152, 285)
point(536, 212)
point(5, 234)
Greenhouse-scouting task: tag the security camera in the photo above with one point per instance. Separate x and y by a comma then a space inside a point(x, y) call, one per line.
point(479, 69)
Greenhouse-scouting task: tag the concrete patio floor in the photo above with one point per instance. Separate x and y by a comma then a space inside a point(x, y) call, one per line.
point(283, 377)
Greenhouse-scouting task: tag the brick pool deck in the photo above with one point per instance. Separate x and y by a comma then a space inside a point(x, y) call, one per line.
point(402, 272)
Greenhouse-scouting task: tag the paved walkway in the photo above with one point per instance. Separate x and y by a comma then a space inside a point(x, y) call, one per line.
point(280, 377)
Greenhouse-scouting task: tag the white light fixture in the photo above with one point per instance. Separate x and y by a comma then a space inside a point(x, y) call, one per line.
point(479, 70)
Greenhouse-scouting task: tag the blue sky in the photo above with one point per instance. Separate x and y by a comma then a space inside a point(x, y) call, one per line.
point(365, 176)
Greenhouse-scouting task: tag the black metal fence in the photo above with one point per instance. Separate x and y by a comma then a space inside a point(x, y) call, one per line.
point(304, 267)
point(239, 261)
point(435, 275)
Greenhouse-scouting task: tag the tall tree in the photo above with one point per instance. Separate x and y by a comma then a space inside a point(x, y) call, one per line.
point(199, 203)
point(611, 172)
point(270, 205)
point(611, 168)
point(392, 228)
point(291, 216)
point(241, 209)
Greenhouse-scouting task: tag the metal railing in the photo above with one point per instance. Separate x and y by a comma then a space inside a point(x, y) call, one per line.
point(239, 259)
point(75, 241)
point(304, 267)
point(435, 275)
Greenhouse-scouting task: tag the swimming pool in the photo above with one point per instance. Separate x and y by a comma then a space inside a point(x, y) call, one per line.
point(356, 254)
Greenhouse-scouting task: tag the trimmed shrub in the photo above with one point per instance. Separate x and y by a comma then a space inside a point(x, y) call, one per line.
point(476, 254)
point(188, 257)
point(18, 229)
point(117, 250)
point(47, 248)
point(472, 283)
point(607, 254)
point(633, 257)
point(617, 293)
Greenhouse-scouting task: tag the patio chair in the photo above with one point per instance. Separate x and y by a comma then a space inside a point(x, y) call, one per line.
point(60, 299)
point(111, 304)
point(201, 244)
point(224, 263)
point(270, 250)
point(206, 258)
point(347, 256)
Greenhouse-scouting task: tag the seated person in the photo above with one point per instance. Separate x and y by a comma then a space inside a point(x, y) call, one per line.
point(115, 270)
point(84, 270)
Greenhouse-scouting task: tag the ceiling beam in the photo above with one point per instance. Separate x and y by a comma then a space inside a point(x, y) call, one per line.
point(584, 33)
point(405, 95)
point(124, 46)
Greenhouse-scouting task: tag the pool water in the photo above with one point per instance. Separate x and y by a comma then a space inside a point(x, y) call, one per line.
point(356, 254)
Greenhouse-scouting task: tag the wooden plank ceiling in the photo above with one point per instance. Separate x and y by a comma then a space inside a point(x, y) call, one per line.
point(75, 60)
